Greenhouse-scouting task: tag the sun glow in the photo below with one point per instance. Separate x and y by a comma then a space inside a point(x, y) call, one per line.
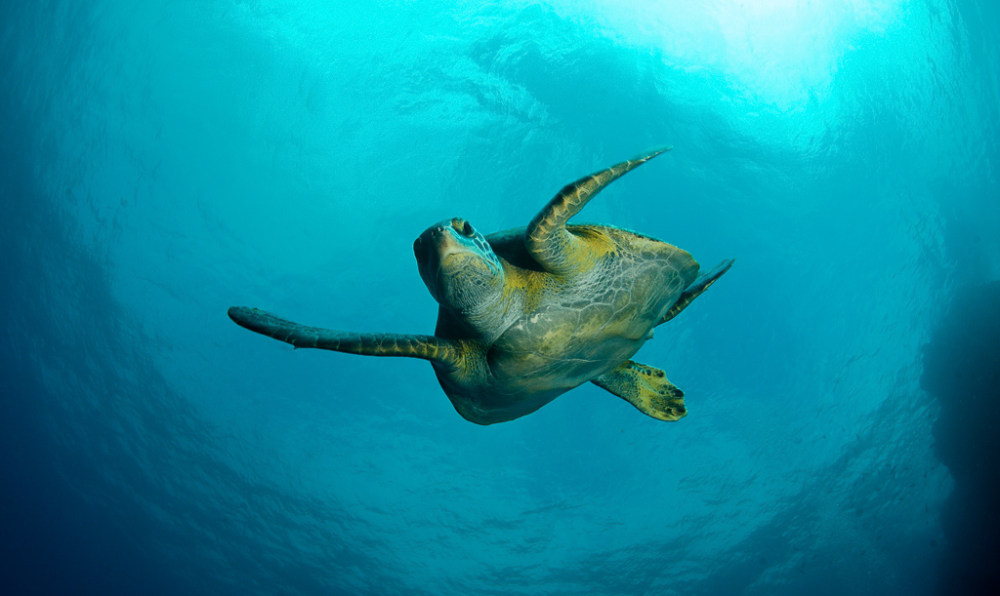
point(784, 52)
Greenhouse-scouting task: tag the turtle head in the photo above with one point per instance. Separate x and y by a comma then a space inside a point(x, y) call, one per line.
point(458, 265)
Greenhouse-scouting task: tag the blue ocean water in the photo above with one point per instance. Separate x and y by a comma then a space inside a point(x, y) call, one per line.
point(162, 161)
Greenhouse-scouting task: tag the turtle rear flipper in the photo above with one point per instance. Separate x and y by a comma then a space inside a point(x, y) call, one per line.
point(694, 290)
point(647, 389)
point(547, 239)
point(427, 347)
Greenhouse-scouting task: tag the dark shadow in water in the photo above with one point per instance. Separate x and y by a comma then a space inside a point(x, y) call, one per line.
point(962, 370)
point(51, 540)
point(110, 483)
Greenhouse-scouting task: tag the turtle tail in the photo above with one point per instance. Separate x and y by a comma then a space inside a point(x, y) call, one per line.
point(696, 289)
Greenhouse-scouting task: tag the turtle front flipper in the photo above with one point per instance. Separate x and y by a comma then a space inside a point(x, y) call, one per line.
point(647, 389)
point(547, 239)
point(427, 347)
point(694, 290)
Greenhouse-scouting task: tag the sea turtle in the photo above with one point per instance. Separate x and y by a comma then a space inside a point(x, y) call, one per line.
point(528, 314)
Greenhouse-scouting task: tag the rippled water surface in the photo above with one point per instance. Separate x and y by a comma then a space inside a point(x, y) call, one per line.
point(162, 161)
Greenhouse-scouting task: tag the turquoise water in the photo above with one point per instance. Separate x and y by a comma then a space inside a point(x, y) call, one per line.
point(163, 161)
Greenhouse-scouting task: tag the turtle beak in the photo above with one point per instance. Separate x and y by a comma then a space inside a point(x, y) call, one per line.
point(440, 238)
point(421, 248)
point(431, 249)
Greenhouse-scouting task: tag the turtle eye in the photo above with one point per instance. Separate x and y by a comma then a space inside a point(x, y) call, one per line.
point(463, 227)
